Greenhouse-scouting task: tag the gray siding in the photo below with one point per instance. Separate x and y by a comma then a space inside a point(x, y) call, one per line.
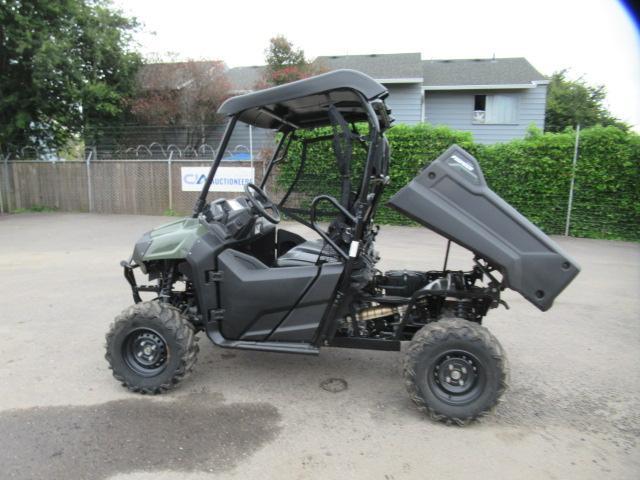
point(455, 109)
point(405, 101)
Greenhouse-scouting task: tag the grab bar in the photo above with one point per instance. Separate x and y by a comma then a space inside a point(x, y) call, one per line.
point(322, 233)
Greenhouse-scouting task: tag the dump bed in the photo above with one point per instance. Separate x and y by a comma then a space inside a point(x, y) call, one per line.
point(452, 198)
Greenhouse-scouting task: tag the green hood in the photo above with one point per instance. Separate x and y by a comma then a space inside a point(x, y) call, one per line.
point(168, 242)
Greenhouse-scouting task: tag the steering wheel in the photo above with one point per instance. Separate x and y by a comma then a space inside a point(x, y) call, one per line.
point(261, 202)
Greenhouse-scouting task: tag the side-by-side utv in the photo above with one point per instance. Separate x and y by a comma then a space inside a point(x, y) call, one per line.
point(230, 272)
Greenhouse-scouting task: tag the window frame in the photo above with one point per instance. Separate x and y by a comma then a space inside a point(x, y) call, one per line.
point(516, 109)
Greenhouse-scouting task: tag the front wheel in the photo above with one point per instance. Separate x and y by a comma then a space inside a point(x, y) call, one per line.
point(151, 347)
point(455, 370)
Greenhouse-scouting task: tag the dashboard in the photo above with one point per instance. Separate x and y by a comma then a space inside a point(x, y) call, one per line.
point(234, 218)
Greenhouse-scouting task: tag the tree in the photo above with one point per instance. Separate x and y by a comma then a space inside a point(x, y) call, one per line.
point(181, 93)
point(63, 65)
point(572, 102)
point(285, 63)
point(185, 94)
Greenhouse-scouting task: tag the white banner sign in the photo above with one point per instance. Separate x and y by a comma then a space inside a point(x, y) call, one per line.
point(227, 179)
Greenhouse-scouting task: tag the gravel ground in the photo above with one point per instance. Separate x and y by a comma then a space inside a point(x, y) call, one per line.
point(572, 411)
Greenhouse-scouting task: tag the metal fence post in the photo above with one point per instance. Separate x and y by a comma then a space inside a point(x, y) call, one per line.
point(7, 185)
point(573, 181)
point(89, 186)
point(2, 190)
point(170, 173)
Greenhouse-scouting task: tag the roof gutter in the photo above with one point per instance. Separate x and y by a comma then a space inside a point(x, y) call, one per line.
point(505, 86)
point(400, 80)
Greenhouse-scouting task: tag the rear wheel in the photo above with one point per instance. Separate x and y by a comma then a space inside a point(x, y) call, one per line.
point(151, 348)
point(455, 370)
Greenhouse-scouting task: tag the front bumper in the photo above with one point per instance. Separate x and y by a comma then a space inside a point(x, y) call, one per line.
point(128, 267)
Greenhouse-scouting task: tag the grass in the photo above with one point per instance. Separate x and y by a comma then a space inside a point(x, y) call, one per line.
point(171, 213)
point(35, 209)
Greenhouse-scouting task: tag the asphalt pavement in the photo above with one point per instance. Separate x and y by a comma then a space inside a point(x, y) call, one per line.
point(572, 410)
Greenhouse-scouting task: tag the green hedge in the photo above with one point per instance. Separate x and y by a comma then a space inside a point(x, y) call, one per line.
point(532, 174)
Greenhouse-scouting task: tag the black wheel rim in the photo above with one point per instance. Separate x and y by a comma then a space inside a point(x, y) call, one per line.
point(145, 352)
point(456, 377)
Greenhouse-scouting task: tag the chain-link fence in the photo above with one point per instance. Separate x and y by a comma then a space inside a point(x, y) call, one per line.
point(151, 177)
point(562, 193)
point(136, 170)
point(139, 142)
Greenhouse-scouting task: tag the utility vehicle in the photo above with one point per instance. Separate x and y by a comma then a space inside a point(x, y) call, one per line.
point(230, 272)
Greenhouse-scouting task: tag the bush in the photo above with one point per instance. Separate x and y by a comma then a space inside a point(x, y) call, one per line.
point(412, 148)
point(533, 174)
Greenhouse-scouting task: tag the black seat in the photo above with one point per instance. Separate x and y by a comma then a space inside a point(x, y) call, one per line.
point(311, 252)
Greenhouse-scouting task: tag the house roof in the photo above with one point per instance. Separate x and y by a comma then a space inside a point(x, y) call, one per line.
point(245, 78)
point(174, 75)
point(484, 71)
point(392, 67)
point(387, 66)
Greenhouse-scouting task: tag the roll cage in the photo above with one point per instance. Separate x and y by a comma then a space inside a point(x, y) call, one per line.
point(338, 99)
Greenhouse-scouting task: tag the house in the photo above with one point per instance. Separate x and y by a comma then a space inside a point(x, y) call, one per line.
point(495, 99)
point(401, 73)
point(176, 76)
point(245, 79)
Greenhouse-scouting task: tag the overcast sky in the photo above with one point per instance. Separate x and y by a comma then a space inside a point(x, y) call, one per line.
point(594, 38)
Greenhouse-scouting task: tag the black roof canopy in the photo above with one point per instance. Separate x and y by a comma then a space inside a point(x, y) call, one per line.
point(305, 103)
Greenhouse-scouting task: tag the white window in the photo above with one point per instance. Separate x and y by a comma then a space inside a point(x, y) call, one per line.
point(495, 109)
